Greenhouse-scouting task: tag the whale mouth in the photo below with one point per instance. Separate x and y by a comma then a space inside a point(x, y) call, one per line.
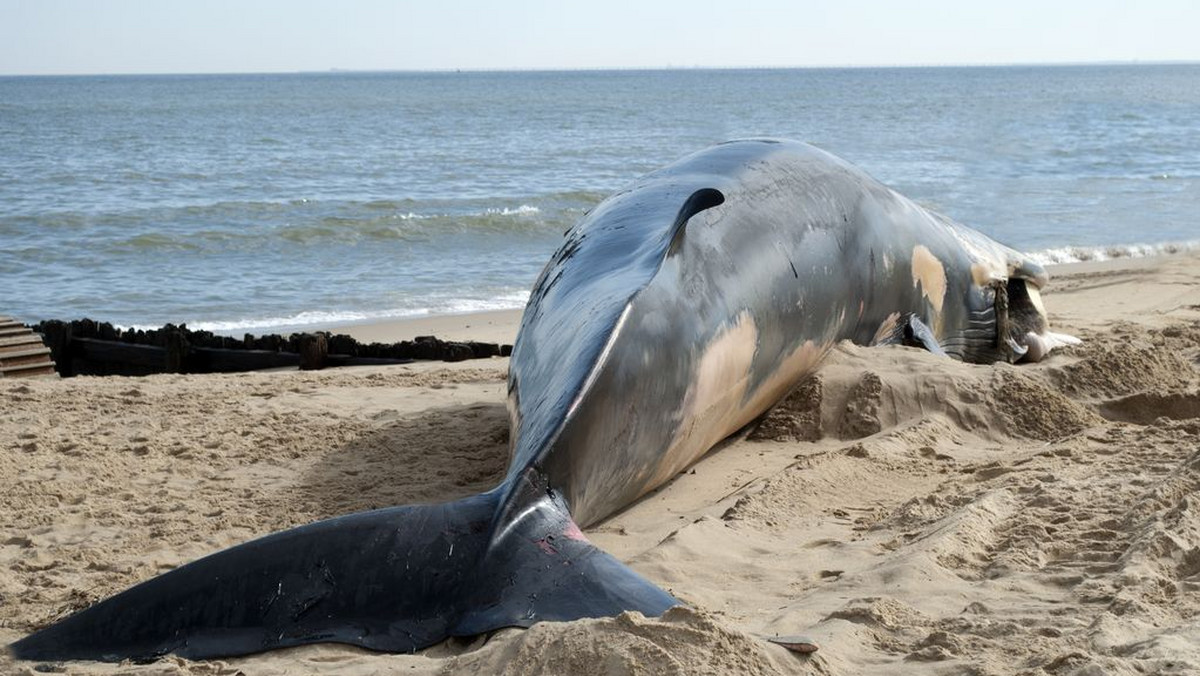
point(1006, 321)
point(1022, 331)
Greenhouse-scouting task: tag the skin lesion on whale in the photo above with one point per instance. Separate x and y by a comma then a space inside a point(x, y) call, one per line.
point(677, 311)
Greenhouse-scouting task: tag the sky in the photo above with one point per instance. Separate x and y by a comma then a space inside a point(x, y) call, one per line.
point(229, 36)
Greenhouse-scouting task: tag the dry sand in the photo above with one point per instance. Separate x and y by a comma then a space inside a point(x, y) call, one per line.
point(912, 514)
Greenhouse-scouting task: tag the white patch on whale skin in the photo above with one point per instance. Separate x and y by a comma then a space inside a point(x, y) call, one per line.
point(886, 328)
point(931, 274)
point(600, 361)
point(719, 402)
point(791, 369)
point(514, 421)
point(721, 378)
point(986, 273)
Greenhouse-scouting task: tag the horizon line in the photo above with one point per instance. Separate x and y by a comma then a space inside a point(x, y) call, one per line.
point(598, 69)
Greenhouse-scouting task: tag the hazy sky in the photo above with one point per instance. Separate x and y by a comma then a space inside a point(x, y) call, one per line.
point(171, 36)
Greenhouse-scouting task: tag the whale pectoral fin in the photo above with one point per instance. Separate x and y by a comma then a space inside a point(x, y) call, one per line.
point(910, 331)
point(388, 580)
point(541, 567)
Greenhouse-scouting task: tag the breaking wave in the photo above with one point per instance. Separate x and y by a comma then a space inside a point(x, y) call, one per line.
point(1079, 254)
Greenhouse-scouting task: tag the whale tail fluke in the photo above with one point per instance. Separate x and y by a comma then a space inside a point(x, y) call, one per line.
point(382, 579)
point(540, 566)
point(394, 580)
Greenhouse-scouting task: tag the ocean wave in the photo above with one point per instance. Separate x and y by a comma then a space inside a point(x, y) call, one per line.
point(295, 209)
point(1079, 254)
point(522, 210)
point(216, 232)
point(157, 240)
point(420, 226)
point(511, 301)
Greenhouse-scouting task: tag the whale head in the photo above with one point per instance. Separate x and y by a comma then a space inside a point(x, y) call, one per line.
point(1023, 329)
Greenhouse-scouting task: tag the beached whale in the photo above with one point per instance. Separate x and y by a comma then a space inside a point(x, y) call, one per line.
point(676, 313)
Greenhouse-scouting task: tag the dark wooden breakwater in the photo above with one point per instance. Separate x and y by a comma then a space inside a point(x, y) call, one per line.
point(86, 347)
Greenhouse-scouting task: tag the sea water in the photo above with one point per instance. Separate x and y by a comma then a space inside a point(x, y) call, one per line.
point(273, 202)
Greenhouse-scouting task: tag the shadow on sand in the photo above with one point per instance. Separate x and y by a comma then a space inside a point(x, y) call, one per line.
point(437, 455)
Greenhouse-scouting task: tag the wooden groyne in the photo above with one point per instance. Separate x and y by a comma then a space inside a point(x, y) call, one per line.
point(22, 352)
point(86, 347)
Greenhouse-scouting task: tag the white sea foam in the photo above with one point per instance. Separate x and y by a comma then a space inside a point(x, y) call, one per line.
point(522, 210)
point(297, 321)
point(510, 301)
point(1078, 254)
point(314, 318)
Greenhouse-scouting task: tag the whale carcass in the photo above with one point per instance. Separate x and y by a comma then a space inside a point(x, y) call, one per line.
point(674, 314)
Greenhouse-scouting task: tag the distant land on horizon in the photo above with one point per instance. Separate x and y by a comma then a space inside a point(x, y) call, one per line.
point(604, 69)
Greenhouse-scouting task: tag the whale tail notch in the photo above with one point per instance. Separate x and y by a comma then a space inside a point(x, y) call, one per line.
point(540, 566)
point(392, 580)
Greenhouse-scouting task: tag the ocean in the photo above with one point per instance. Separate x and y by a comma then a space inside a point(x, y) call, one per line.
point(267, 203)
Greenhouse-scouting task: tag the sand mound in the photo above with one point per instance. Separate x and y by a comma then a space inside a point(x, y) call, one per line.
point(681, 642)
point(1030, 408)
point(1130, 359)
point(863, 391)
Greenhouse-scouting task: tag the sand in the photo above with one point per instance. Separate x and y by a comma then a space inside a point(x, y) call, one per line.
point(493, 326)
point(912, 514)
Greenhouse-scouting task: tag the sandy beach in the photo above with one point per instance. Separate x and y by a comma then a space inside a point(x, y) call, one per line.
point(911, 514)
point(494, 326)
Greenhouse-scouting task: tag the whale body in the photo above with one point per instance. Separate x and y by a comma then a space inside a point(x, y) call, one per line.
point(676, 313)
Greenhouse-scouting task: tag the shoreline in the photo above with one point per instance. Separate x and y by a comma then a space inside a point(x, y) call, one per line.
point(500, 326)
point(488, 326)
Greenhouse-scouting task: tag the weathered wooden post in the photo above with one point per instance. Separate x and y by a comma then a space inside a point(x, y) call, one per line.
point(57, 336)
point(314, 348)
point(177, 351)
